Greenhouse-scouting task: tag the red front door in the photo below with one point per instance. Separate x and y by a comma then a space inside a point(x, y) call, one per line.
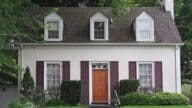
point(100, 86)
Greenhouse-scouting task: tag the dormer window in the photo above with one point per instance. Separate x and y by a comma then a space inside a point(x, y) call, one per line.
point(144, 27)
point(53, 30)
point(53, 27)
point(99, 27)
point(99, 30)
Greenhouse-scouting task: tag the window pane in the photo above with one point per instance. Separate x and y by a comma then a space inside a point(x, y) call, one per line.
point(99, 30)
point(99, 65)
point(145, 75)
point(53, 25)
point(53, 30)
point(53, 75)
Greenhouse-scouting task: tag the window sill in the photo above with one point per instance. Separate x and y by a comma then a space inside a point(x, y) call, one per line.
point(53, 40)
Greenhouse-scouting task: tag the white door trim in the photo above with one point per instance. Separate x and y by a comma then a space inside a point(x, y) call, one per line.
point(91, 79)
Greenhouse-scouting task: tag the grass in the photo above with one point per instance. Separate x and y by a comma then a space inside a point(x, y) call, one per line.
point(129, 107)
point(157, 107)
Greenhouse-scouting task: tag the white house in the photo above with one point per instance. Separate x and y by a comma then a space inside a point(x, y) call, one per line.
point(88, 44)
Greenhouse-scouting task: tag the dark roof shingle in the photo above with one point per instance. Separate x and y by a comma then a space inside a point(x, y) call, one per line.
point(76, 24)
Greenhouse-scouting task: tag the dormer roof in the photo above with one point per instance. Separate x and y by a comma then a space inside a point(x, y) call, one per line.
point(53, 16)
point(98, 15)
point(144, 15)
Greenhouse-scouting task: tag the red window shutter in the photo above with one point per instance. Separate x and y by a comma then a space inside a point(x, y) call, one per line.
point(132, 70)
point(114, 74)
point(158, 75)
point(40, 74)
point(66, 70)
point(85, 81)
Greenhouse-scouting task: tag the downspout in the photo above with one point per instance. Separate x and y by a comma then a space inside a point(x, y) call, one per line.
point(176, 68)
point(19, 73)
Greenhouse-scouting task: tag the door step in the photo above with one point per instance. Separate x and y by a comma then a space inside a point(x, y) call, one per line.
point(102, 106)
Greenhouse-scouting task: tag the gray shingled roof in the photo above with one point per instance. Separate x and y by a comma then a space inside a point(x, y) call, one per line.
point(76, 24)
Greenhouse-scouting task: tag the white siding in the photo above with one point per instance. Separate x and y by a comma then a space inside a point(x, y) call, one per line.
point(123, 54)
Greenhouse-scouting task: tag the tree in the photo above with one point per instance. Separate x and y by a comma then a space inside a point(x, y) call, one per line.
point(184, 24)
point(8, 68)
point(14, 22)
point(27, 83)
point(121, 6)
point(66, 3)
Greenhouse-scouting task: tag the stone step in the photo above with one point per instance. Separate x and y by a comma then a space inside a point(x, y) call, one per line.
point(102, 106)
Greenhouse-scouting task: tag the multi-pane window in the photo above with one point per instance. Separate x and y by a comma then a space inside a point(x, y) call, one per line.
point(145, 74)
point(53, 75)
point(144, 34)
point(99, 30)
point(99, 65)
point(53, 30)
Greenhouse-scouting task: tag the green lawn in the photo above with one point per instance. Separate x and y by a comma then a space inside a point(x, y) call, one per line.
point(130, 107)
point(157, 107)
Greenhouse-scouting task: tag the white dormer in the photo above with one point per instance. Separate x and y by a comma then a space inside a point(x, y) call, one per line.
point(99, 27)
point(144, 27)
point(53, 30)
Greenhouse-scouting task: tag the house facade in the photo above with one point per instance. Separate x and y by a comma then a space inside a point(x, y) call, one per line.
point(88, 44)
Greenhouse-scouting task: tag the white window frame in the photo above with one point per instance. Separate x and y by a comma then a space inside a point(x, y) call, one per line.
point(47, 19)
point(153, 71)
point(144, 18)
point(99, 17)
point(45, 71)
point(103, 30)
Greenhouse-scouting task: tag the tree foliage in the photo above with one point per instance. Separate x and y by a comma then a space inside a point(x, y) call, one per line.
point(8, 68)
point(14, 22)
point(184, 23)
point(121, 6)
point(67, 3)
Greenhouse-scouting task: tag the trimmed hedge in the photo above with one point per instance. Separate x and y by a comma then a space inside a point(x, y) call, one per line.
point(169, 99)
point(128, 86)
point(156, 99)
point(71, 92)
point(135, 99)
point(186, 89)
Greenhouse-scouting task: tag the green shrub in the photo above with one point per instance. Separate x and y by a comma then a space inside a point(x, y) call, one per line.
point(29, 105)
point(128, 86)
point(27, 83)
point(55, 102)
point(19, 104)
point(71, 92)
point(169, 99)
point(186, 90)
point(24, 100)
point(15, 104)
point(54, 92)
point(135, 99)
point(38, 97)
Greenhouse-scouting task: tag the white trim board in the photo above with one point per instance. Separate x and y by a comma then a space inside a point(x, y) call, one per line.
point(100, 44)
